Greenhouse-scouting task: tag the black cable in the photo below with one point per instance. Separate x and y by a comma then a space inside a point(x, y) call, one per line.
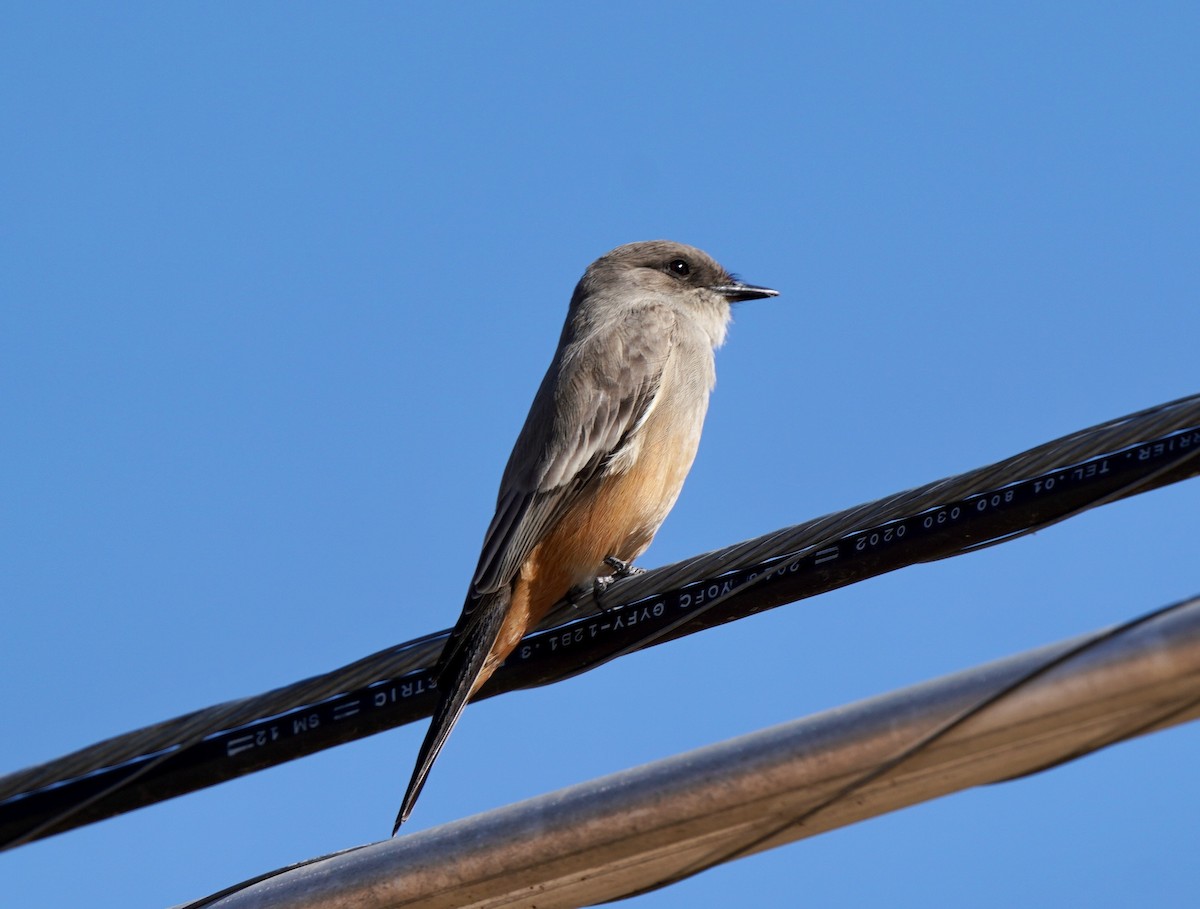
point(1116, 459)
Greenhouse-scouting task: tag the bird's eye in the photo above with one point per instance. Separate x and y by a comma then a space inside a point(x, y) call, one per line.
point(679, 267)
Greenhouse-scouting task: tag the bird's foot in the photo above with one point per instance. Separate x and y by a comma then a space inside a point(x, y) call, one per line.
point(576, 595)
point(621, 569)
point(589, 595)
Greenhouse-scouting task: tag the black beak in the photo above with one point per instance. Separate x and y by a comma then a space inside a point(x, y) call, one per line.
point(737, 292)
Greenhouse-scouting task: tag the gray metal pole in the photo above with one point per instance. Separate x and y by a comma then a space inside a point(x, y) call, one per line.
point(632, 830)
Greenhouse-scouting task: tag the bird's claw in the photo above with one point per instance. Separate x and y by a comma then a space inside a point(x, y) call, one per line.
point(620, 569)
point(600, 584)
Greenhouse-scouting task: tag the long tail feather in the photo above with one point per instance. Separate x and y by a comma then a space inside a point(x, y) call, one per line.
point(458, 676)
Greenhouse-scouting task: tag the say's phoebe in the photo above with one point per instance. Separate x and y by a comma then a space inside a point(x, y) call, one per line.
point(600, 461)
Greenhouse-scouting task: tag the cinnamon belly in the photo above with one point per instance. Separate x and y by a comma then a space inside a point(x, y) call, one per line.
point(619, 517)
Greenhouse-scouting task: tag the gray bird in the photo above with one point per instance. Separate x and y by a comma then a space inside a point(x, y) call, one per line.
point(600, 461)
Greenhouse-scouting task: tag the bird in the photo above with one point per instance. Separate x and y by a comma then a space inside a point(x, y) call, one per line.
point(601, 459)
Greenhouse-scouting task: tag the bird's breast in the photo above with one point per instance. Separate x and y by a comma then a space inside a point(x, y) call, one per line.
point(619, 515)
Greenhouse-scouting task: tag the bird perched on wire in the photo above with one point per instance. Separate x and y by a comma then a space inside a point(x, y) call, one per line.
point(606, 446)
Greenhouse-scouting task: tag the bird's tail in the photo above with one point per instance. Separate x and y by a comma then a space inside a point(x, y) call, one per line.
point(458, 675)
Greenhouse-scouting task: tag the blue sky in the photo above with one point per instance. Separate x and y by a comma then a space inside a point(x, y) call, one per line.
point(278, 282)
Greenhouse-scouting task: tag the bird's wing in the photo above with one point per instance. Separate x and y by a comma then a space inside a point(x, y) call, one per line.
point(577, 424)
point(583, 415)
